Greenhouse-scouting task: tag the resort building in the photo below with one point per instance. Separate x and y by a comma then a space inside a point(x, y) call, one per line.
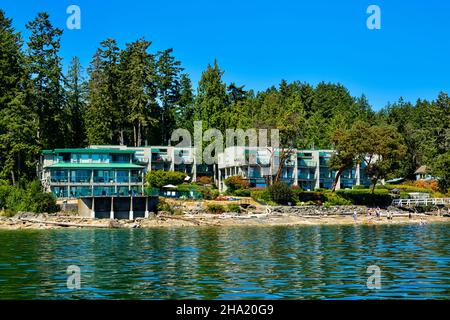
point(104, 170)
point(308, 169)
point(73, 173)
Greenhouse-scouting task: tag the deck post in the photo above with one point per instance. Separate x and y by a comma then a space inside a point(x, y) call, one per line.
point(93, 208)
point(131, 216)
point(111, 213)
point(146, 207)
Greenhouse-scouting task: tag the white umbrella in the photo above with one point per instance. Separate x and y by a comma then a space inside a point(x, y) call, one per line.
point(170, 186)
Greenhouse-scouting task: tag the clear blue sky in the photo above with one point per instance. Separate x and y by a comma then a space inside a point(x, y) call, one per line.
point(260, 42)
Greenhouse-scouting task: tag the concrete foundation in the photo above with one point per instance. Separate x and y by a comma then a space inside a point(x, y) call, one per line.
point(108, 207)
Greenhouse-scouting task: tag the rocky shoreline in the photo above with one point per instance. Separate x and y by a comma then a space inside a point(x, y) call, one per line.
point(254, 216)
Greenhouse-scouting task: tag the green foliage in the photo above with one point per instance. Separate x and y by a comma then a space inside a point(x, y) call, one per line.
point(209, 193)
point(441, 169)
point(365, 197)
point(233, 208)
point(164, 206)
point(206, 192)
point(234, 183)
point(261, 195)
point(242, 193)
point(215, 208)
point(334, 199)
point(316, 197)
point(280, 193)
point(160, 178)
point(31, 198)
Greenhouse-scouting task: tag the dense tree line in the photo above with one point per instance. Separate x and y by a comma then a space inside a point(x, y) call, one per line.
point(135, 96)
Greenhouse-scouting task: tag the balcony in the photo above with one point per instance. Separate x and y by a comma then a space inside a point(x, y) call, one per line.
point(263, 161)
point(161, 158)
point(307, 163)
point(306, 176)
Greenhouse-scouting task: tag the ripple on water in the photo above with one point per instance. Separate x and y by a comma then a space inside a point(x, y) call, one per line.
point(325, 262)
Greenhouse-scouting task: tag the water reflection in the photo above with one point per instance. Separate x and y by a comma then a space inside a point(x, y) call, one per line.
point(317, 262)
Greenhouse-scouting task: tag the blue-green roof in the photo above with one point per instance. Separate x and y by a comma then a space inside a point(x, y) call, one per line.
point(68, 165)
point(88, 150)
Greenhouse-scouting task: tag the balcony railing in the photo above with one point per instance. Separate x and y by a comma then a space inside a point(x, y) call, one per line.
point(307, 176)
point(307, 163)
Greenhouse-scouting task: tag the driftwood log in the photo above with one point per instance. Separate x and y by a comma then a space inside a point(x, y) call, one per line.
point(65, 224)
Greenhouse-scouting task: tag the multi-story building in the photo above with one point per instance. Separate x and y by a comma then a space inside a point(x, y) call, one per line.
point(119, 170)
point(308, 169)
point(71, 173)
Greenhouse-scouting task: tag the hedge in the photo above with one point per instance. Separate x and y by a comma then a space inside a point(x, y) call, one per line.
point(381, 197)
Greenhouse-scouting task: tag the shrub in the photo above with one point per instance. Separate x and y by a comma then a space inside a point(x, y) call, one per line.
point(334, 199)
point(208, 193)
point(215, 208)
point(160, 178)
point(31, 198)
point(234, 183)
point(310, 197)
point(164, 206)
point(242, 193)
point(280, 193)
point(232, 207)
point(261, 195)
point(381, 197)
point(203, 180)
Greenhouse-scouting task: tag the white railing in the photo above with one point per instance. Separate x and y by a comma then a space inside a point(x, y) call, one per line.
point(420, 202)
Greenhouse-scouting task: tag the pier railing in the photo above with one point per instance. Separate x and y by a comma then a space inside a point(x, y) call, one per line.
point(420, 202)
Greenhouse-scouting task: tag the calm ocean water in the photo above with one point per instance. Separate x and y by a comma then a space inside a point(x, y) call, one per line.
point(314, 262)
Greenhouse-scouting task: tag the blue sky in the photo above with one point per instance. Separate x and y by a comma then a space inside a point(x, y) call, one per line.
point(260, 42)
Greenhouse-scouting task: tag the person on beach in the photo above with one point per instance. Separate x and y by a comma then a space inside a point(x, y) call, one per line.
point(355, 215)
point(378, 212)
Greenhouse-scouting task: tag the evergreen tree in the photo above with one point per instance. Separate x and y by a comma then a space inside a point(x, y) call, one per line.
point(184, 115)
point(105, 118)
point(44, 67)
point(75, 104)
point(168, 69)
point(138, 88)
point(211, 102)
point(18, 146)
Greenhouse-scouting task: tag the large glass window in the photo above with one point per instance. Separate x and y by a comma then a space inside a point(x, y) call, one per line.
point(76, 192)
point(103, 191)
point(122, 176)
point(121, 158)
point(60, 192)
point(59, 175)
point(122, 191)
point(84, 158)
point(136, 176)
point(80, 176)
point(103, 176)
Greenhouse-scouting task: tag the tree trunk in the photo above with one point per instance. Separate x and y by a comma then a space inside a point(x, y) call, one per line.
point(280, 166)
point(139, 135)
point(121, 142)
point(134, 135)
point(13, 178)
point(375, 180)
point(336, 179)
